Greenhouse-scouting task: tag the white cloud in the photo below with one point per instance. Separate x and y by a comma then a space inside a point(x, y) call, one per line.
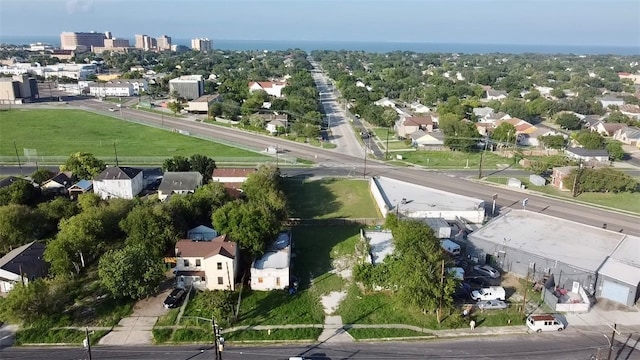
point(79, 6)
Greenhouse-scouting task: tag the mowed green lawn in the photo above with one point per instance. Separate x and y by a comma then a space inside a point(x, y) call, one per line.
point(63, 132)
point(330, 198)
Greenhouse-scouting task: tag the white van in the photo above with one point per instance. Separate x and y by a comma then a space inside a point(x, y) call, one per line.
point(544, 322)
point(489, 293)
point(450, 247)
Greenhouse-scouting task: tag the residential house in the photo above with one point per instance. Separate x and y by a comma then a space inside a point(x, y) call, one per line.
point(482, 112)
point(58, 184)
point(431, 141)
point(275, 126)
point(119, 182)
point(184, 182)
point(533, 138)
point(81, 187)
point(545, 91)
point(23, 264)
point(203, 103)
point(559, 175)
point(9, 180)
point(485, 128)
point(202, 233)
point(633, 77)
point(605, 128)
point(419, 108)
point(385, 102)
point(632, 111)
point(494, 117)
point(609, 100)
point(273, 88)
point(272, 270)
point(590, 120)
point(206, 265)
point(629, 135)
point(586, 155)
point(232, 178)
point(522, 127)
point(409, 124)
point(496, 94)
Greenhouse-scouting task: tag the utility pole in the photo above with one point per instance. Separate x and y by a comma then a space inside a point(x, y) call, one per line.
point(613, 335)
point(441, 291)
point(218, 341)
point(576, 181)
point(486, 140)
point(524, 299)
point(17, 156)
point(87, 343)
point(386, 155)
point(115, 150)
point(364, 171)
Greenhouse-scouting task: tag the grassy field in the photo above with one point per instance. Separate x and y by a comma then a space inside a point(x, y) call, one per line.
point(330, 198)
point(622, 201)
point(62, 132)
point(57, 336)
point(276, 334)
point(278, 307)
point(454, 159)
point(382, 333)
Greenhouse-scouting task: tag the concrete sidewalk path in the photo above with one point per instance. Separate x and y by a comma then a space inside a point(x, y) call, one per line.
point(334, 331)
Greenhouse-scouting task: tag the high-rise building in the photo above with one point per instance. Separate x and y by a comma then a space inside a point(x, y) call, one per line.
point(145, 42)
point(164, 42)
point(116, 43)
point(71, 40)
point(201, 44)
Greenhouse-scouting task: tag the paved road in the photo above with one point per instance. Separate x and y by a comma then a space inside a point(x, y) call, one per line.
point(341, 132)
point(335, 158)
point(566, 346)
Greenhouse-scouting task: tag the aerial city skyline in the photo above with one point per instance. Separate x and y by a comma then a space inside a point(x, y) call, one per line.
point(564, 22)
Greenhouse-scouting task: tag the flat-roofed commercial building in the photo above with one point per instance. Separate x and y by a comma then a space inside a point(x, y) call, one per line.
point(72, 40)
point(189, 86)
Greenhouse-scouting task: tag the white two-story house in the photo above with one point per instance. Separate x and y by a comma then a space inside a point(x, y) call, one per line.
point(206, 265)
point(119, 182)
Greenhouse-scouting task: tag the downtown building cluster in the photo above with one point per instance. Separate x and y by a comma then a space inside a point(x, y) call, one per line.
point(98, 42)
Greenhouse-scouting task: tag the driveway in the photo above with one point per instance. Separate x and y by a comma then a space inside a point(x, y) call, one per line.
point(136, 329)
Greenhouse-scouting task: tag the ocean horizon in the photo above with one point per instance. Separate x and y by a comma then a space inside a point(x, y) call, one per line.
point(375, 46)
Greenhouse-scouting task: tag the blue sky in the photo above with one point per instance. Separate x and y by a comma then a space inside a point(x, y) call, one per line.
point(527, 22)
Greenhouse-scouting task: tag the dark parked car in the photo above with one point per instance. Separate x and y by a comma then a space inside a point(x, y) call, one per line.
point(174, 299)
point(487, 270)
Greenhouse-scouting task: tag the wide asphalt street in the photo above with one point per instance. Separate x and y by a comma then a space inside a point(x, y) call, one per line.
point(336, 158)
point(568, 346)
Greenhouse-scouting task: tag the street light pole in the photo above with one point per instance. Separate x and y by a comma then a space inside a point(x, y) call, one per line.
point(613, 335)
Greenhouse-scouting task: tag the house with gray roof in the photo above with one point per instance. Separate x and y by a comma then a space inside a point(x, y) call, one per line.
point(587, 155)
point(23, 264)
point(272, 270)
point(496, 94)
point(629, 135)
point(119, 182)
point(183, 182)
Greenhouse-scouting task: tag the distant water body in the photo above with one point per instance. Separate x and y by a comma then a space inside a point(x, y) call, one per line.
point(378, 47)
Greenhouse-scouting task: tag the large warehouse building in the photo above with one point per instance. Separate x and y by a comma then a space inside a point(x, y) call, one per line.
point(415, 201)
point(605, 263)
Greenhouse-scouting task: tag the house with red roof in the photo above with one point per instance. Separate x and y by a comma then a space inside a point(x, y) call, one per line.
point(273, 88)
point(207, 265)
point(232, 178)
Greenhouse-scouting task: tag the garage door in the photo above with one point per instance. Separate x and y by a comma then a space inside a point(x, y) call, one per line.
point(615, 292)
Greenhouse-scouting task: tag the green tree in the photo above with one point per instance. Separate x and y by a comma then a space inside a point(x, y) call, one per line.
point(459, 135)
point(20, 192)
point(151, 226)
point(590, 140)
point(601, 180)
point(175, 106)
point(204, 165)
point(55, 210)
point(83, 165)
point(42, 175)
point(569, 121)
point(28, 303)
point(504, 133)
point(553, 141)
point(19, 224)
point(177, 163)
point(252, 226)
point(417, 268)
point(131, 272)
point(618, 117)
point(615, 150)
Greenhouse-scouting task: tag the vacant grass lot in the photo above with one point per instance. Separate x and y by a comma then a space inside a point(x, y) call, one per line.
point(382, 333)
point(454, 159)
point(63, 132)
point(276, 335)
point(278, 307)
point(622, 201)
point(58, 336)
point(330, 198)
